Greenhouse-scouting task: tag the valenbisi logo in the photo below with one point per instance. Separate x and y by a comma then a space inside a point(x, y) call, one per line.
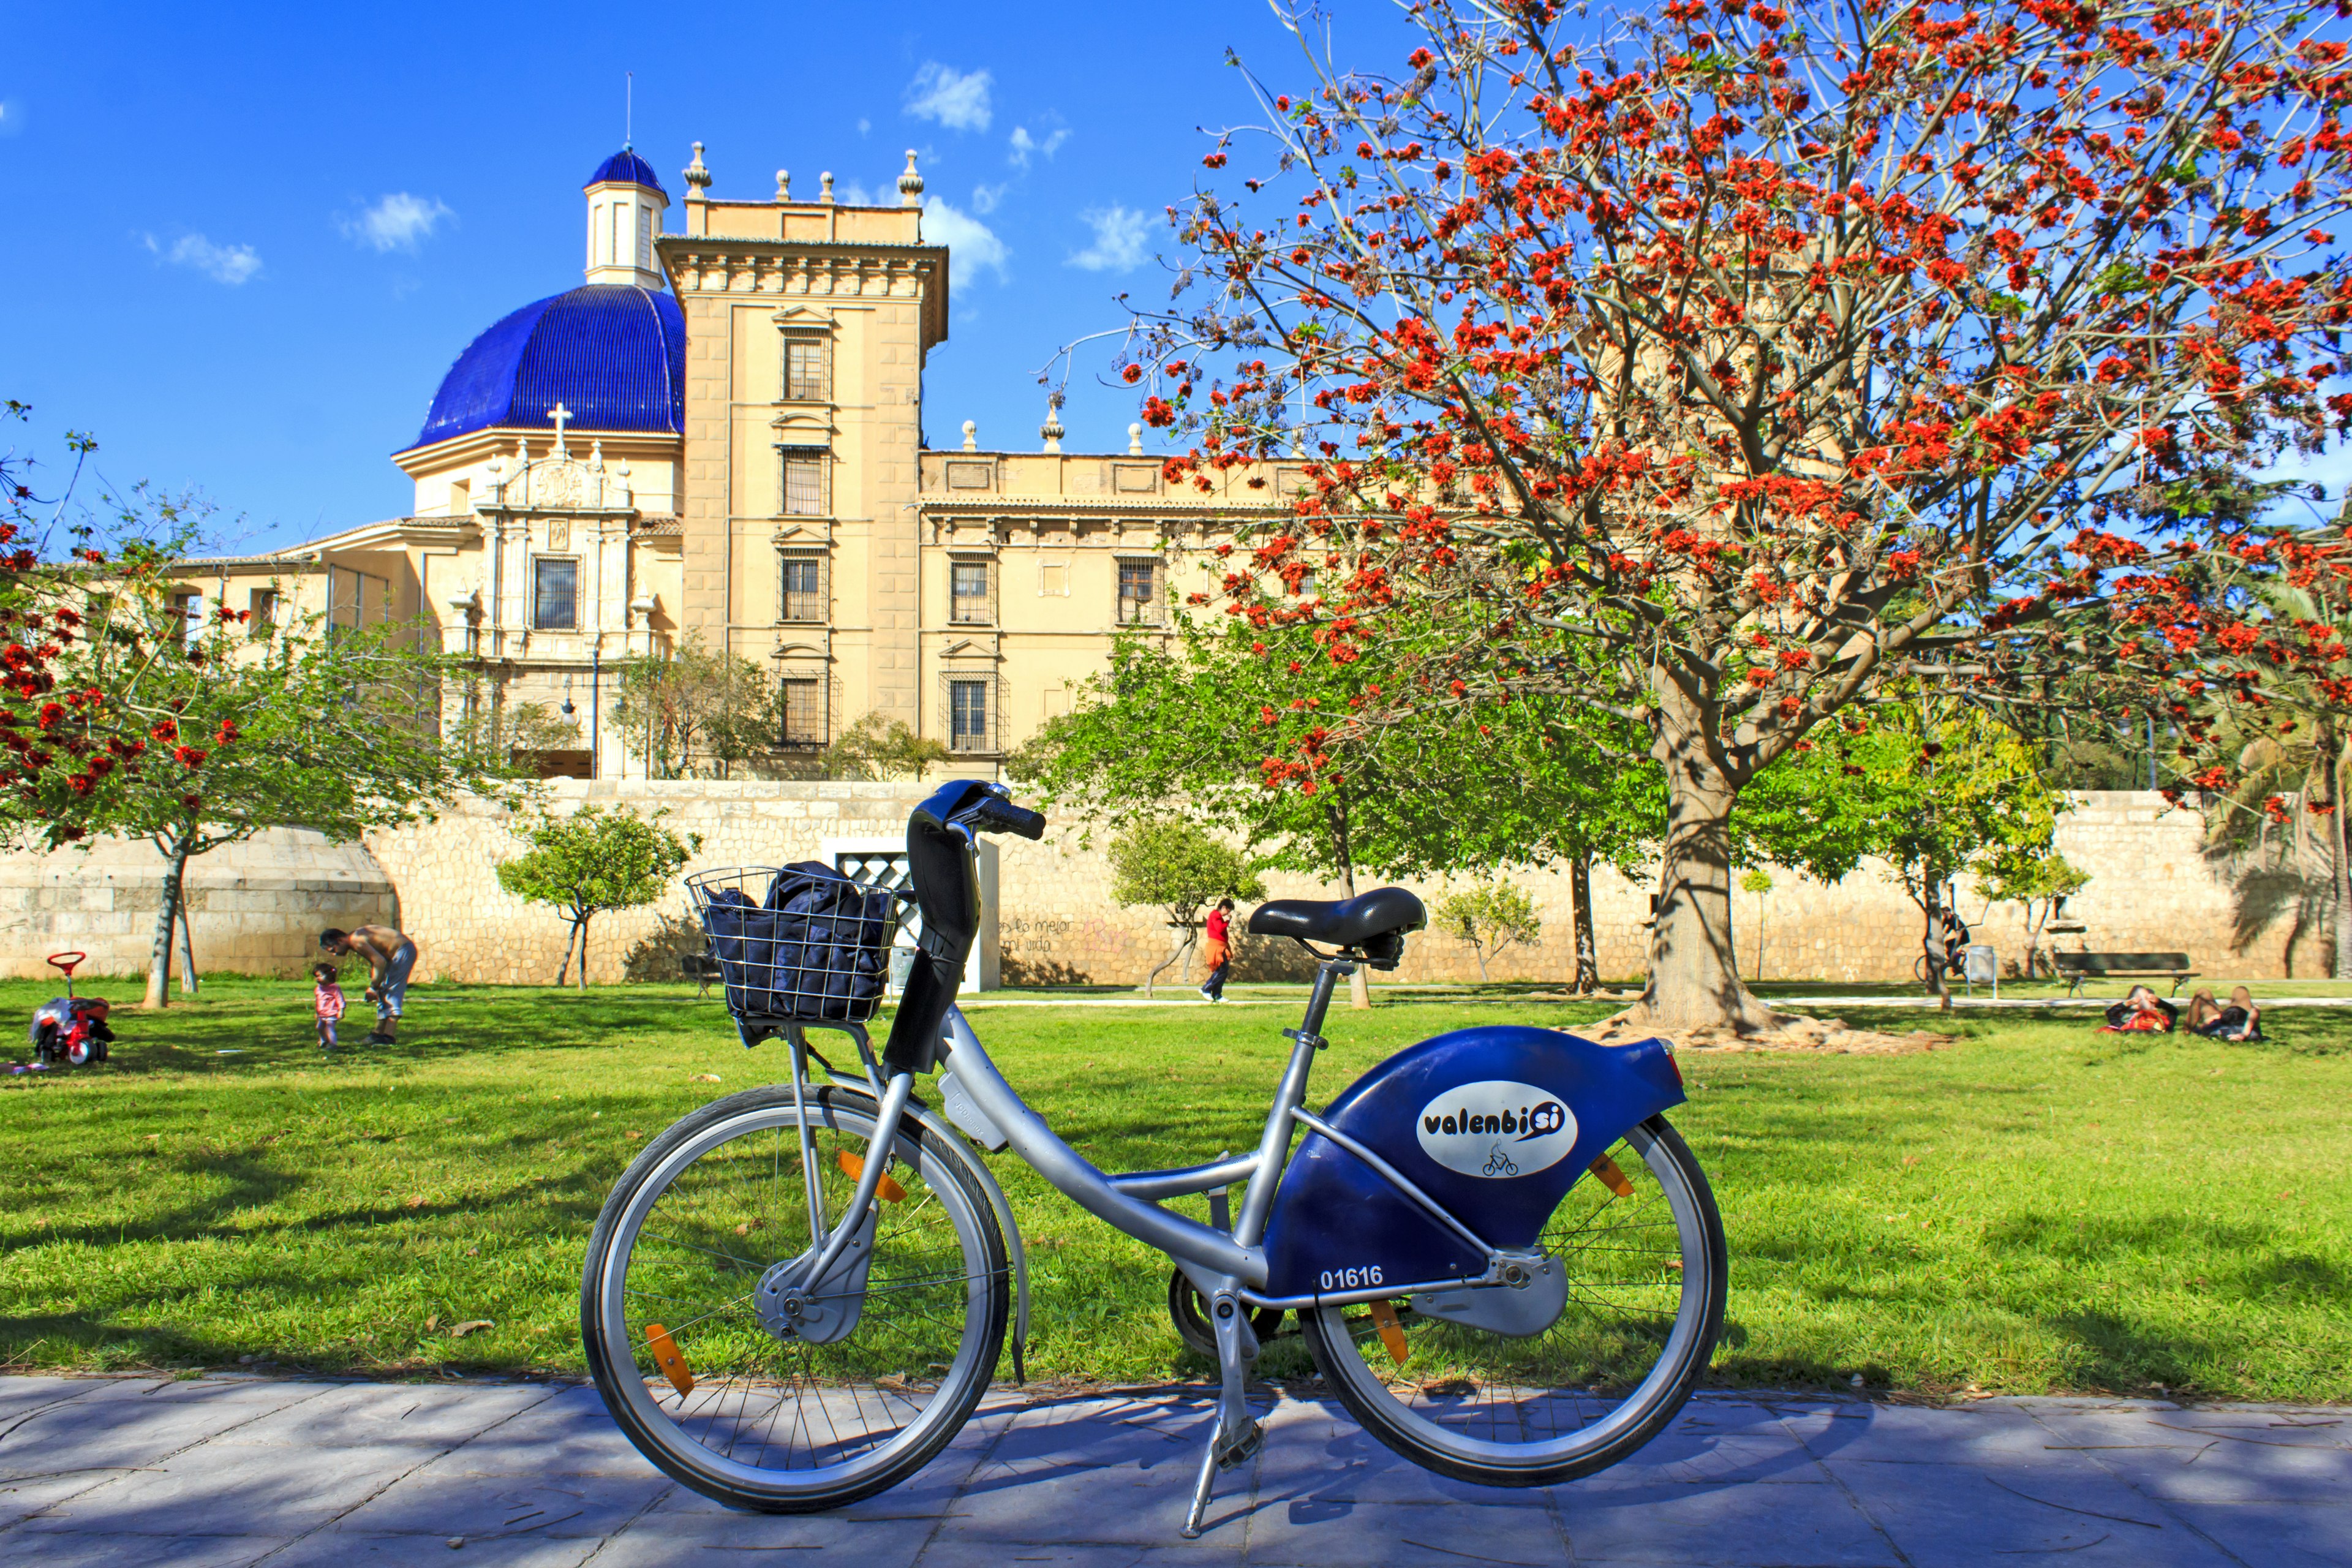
point(1497, 1129)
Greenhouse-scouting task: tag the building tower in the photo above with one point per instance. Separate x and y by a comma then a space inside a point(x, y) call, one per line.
point(625, 203)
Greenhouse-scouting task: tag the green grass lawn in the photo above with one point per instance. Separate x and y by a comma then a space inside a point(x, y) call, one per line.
point(2037, 1208)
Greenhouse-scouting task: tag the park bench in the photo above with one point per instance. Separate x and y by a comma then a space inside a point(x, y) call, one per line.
point(701, 968)
point(2077, 967)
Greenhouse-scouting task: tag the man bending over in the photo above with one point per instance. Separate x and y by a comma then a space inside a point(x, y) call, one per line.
point(390, 957)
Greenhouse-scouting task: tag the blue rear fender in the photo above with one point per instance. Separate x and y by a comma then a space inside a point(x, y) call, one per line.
point(1495, 1123)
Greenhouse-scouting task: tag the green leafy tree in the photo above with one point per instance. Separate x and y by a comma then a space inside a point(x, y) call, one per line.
point(1178, 726)
point(876, 747)
point(698, 709)
point(1490, 918)
point(1758, 882)
point(249, 728)
point(592, 861)
point(2038, 880)
point(1184, 721)
point(1935, 789)
point(1181, 869)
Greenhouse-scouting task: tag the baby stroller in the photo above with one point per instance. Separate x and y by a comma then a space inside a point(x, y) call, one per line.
point(69, 1028)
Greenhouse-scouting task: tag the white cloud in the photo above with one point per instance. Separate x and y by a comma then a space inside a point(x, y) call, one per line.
point(229, 264)
point(864, 125)
point(985, 197)
point(398, 222)
point(957, 99)
point(852, 193)
point(12, 116)
point(1026, 146)
point(972, 245)
point(1119, 243)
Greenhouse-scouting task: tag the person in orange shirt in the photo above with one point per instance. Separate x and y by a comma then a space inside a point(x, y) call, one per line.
point(1219, 952)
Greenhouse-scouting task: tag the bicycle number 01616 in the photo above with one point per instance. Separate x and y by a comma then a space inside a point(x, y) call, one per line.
point(1350, 1279)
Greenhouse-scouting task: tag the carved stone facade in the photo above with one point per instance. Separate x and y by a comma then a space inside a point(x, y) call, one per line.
point(795, 517)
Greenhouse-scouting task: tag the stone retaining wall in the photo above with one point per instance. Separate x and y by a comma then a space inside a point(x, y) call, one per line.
point(254, 908)
point(2152, 887)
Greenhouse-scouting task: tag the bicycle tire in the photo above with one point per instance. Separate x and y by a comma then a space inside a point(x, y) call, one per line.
point(937, 1178)
point(1430, 1423)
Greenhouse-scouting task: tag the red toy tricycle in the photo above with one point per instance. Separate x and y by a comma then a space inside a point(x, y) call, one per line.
point(69, 1028)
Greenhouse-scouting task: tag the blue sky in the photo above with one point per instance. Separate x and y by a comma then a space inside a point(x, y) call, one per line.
point(249, 239)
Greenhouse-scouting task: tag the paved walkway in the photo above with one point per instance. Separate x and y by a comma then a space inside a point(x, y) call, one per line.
point(222, 1472)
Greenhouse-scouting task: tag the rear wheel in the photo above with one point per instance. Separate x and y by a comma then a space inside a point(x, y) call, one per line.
point(771, 1413)
point(1647, 1279)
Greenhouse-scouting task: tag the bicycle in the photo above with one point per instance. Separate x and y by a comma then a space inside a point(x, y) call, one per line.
point(797, 1295)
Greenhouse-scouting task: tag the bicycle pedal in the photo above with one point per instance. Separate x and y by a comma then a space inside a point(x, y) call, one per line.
point(1242, 1449)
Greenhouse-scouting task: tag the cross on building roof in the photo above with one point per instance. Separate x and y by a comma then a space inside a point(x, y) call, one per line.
point(559, 413)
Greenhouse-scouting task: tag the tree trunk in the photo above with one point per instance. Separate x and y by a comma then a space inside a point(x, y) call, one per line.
point(583, 983)
point(167, 920)
point(1694, 980)
point(1931, 940)
point(1479, 948)
point(188, 982)
point(1359, 983)
point(1183, 946)
point(571, 940)
point(2340, 870)
point(1587, 961)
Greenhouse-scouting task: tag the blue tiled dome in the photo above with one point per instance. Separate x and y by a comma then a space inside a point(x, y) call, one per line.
point(613, 354)
point(627, 168)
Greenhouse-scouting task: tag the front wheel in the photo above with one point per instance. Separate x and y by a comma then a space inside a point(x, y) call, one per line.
point(679, 1319)
point(1646, 1277)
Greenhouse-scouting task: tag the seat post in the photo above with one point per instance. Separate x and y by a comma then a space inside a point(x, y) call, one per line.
point(1319, 1002)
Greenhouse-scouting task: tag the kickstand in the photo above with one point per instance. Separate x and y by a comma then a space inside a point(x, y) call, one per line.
point(1236, 1437)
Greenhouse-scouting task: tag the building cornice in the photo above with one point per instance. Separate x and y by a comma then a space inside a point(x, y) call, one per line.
point(498, 440)
point(700, 266)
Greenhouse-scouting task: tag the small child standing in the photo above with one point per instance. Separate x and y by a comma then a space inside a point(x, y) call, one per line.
point(327, 1001)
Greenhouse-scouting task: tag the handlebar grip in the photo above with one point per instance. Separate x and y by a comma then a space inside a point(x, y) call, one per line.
point(996, 816)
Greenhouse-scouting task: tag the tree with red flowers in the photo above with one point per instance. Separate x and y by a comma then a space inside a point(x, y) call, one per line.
point(252, 726)
point(1733, 365)
point(2244, 652)
point(54, 552)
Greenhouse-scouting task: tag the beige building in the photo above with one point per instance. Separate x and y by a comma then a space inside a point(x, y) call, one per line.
point(719, 437)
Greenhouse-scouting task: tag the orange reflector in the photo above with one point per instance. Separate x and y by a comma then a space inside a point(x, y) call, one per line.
point(1384, 1319)
point(666, 1356)
point(1612, 1177)
point(854, 1167)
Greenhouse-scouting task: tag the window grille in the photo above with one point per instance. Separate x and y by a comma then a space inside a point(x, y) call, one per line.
point(802, 710)
point(803, 594)
point(804, 481)
point(972, 714)
point(261, 612)
point(804, 370)
point(555, 595)
point(971, 597)
point(1138, 592)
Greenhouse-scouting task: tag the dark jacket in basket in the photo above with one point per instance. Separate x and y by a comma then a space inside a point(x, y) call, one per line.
point(816, 949)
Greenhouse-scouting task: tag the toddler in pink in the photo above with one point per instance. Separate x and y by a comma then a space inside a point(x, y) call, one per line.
point(327, 1001)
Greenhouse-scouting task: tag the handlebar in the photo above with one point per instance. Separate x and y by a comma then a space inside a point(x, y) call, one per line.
point(993, 814)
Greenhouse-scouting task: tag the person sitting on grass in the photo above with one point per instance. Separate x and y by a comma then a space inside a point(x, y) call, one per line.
point(327, 1001)
point(390, 957)
point(2242, 1020)
point(2141, 1011)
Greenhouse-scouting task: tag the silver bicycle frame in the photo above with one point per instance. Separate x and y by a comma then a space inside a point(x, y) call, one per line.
point(1130, 1203)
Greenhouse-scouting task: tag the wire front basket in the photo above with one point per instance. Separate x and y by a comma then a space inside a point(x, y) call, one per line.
point(798, 943)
